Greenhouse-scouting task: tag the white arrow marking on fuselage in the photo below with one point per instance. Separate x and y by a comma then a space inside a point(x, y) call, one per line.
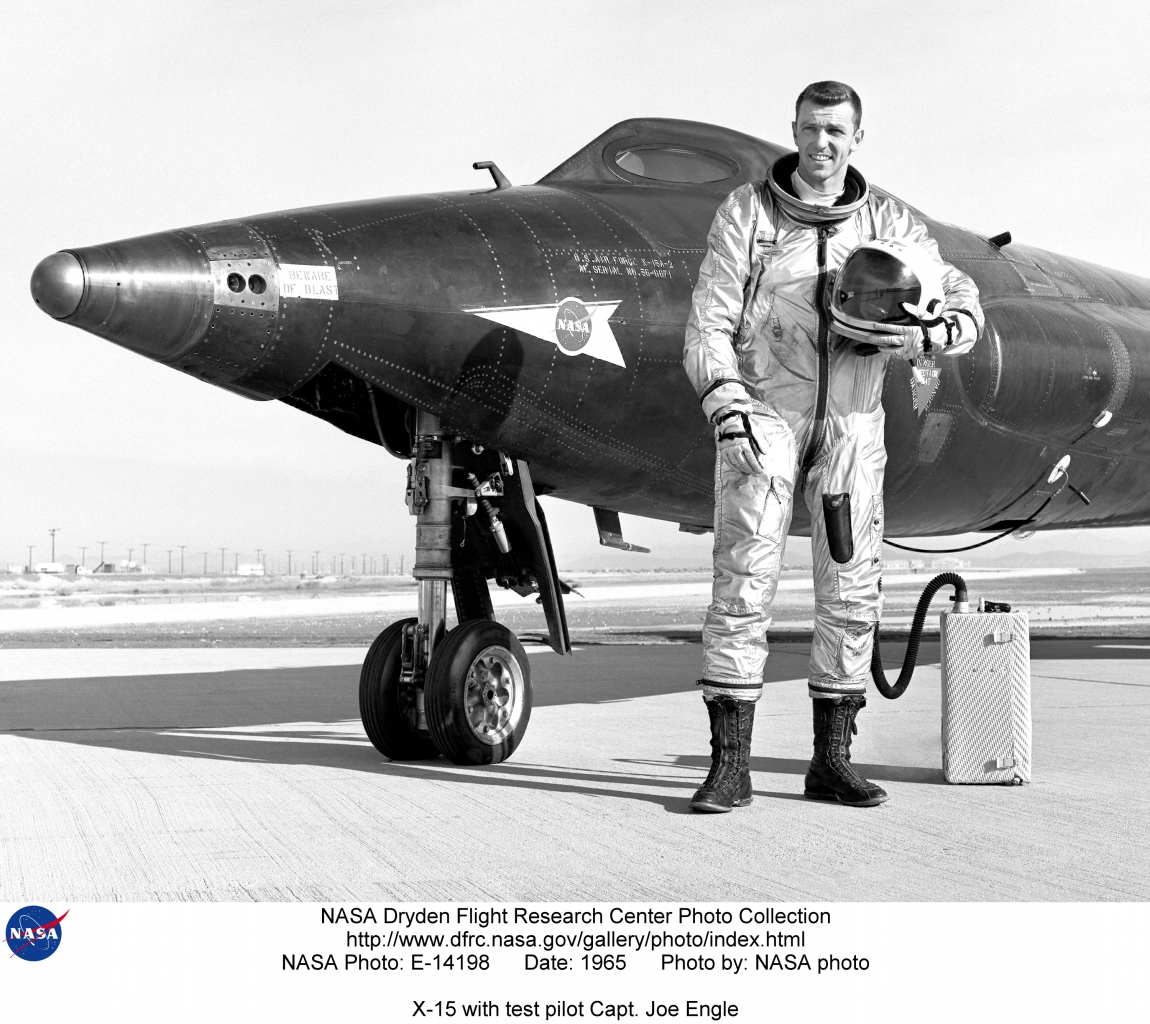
point(539, 322)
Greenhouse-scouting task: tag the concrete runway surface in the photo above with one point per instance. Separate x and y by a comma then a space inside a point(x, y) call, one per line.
point(245, 775)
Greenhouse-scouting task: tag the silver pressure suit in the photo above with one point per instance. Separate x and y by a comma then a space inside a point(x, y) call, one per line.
point(758, 341)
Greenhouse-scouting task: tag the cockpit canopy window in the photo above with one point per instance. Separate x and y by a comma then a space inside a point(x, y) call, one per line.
point(673, 163)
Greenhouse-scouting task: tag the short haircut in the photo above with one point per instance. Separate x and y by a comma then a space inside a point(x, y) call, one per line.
point(830, 94)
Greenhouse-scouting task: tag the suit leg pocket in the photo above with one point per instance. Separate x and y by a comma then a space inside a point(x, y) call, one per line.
point(837, 518)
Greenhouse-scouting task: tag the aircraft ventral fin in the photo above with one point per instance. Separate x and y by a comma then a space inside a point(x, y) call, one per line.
point(574, 326)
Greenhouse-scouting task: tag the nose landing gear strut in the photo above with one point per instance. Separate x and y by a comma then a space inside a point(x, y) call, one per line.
point(463, 693)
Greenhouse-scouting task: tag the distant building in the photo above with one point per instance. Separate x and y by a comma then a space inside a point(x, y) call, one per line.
point(50, 567)
point(250, 569)
point(896, 564)
point(123, 565)
point(950, 563)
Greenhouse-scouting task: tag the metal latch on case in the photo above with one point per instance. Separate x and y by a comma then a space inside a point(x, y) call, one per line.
point(1001, 636)
point(1003, 762)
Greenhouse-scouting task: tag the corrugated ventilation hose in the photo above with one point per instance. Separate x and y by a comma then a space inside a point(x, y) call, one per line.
point(933, 587)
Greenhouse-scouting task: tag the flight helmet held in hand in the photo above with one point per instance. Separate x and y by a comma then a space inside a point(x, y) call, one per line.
point(875, 279)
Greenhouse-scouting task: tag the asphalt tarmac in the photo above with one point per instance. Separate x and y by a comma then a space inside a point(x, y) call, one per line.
point(223, 774)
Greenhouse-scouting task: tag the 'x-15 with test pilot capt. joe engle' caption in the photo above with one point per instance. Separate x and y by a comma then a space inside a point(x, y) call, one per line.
point(524, 340)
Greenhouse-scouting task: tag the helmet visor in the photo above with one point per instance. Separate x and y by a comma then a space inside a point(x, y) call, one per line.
point(872, 284)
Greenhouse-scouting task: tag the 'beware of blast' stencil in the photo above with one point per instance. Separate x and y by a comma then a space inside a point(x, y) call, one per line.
point(574, 326)
point(304, 282)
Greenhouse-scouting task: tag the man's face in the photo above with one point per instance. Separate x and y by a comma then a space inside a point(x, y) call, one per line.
point(825, 138)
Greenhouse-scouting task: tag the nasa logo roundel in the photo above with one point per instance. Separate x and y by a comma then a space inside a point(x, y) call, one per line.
point(34, 933)
point(572, 325)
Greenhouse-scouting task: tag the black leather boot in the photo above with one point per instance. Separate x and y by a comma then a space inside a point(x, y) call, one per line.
point(831, 776)
point(728, 784)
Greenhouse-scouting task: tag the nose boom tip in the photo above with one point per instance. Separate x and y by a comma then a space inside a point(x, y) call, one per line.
point(58, 284)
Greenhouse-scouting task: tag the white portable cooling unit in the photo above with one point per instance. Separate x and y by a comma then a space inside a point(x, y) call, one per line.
point(986, 726)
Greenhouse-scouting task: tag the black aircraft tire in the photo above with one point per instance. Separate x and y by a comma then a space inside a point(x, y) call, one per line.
point(386, 724)
point(478, 693)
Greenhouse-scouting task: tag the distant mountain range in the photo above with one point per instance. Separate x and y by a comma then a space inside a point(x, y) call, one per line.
point(680, 553)
point(1016, 559)
point(1060, 560)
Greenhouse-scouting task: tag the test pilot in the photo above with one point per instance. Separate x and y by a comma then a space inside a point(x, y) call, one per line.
point(793, 389)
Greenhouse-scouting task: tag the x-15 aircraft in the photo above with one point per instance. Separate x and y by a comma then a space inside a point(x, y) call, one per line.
point(527, 340)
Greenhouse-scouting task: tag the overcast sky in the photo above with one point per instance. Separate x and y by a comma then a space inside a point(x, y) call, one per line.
point(125, 118)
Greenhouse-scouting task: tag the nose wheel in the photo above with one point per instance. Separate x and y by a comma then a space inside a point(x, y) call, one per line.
point(388, 706)
point(478, 693)
point(476, 696)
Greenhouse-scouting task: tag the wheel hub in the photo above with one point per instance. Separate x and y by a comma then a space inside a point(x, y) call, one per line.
point(493, 694)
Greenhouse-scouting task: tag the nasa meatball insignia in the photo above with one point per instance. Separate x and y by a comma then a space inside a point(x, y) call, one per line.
point(34, 933)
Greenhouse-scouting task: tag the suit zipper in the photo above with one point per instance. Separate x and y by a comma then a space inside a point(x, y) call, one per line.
point(819, 425)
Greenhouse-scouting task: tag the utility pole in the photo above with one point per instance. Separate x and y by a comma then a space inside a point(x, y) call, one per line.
point(101, 543)
point(205, 563)
point(29, 557)
point(289, 561)
point(363, 566)
point(259, 557)
point(53, 531)
point(237, 568)
point(315, 563)
point(169, 561)
point(223, 568)
point(182, 546)
point(401, 565)
point(386, 566)
point(130, 552)
point(83, 557)
point(341, 563)
point(145, 547)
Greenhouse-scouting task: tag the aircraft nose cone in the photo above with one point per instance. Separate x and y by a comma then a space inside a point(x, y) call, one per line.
point(58, 284)
point(152, 294)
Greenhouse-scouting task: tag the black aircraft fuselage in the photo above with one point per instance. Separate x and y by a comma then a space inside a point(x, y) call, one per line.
point(546, 321)
point(523, 341)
